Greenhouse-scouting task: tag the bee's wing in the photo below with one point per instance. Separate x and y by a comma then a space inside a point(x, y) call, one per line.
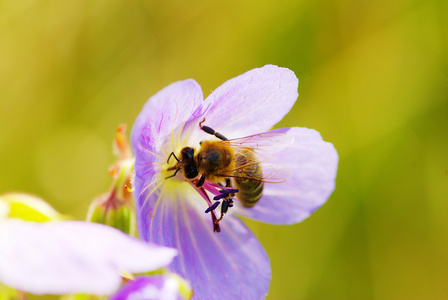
point(264, 146)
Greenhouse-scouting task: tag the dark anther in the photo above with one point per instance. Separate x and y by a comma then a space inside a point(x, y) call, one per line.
point(212, 207)
point(220, 196)
point(225, 194)
point(171, 154)
point(229, 191)
point(224, 207)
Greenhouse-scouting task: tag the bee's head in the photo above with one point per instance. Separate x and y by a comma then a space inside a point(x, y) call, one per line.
point(188, 164)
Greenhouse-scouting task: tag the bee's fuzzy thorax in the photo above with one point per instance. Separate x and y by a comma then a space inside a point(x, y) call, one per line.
point(214, 159)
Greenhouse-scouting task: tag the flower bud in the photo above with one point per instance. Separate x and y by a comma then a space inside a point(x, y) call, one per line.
point(27, 208)
point(115, 208)
point(113, 211)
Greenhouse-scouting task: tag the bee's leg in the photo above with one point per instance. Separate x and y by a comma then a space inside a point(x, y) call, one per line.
point(212, 131)
point(170, 169)
point(228, 183)
point(200, 181)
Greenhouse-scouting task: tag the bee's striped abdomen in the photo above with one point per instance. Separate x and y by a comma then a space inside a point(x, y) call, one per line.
point(250, 190)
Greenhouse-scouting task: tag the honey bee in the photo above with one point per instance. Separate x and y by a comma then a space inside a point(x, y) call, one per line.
point(236, 164)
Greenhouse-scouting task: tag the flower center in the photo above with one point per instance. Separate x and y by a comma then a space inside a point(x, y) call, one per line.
point(222, 195)
point(204, 169)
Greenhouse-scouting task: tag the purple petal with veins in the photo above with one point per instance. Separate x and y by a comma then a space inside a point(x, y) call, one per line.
point(171, 212)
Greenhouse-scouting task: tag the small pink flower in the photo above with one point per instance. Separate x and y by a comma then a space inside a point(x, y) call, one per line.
point(175, 212)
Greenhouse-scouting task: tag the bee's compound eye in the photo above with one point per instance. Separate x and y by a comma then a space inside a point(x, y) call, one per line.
point(187, 153)
point(190, 171)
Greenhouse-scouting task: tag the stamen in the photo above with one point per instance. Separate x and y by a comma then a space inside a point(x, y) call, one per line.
point(225, 194)
point(211, 187)
point(219, 192)
point(229, 191)
point(224, 207)
point(216, 227)
point(218, 197)
point(204, 195)
point(212, 207)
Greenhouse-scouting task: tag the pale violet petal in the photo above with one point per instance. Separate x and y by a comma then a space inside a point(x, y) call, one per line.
point(157, 287)
point(252, 102)
point(72, 257)
point(158, 126)
point(218, 265)
point(4, 210)
point(312, 164)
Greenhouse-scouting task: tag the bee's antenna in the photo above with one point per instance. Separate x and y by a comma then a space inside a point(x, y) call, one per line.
point(211, 131)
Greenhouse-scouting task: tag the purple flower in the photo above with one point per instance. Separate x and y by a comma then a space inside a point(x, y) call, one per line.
point(63, 257)
point(155, 287)
point(177, 211)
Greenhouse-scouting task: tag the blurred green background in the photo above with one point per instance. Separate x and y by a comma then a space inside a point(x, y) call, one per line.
point(373, 81)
